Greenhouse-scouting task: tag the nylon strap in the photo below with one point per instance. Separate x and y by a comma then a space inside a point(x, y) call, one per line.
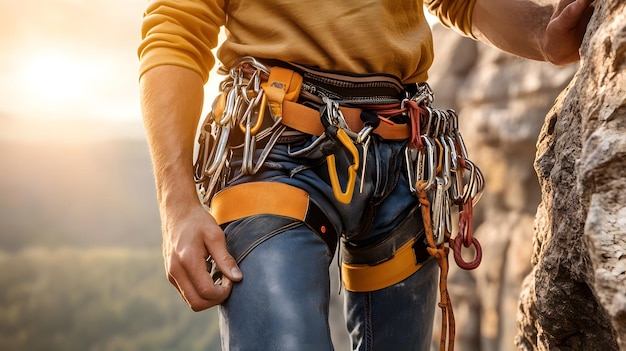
point(363, 277)
point(282, 85)
point(307, 120)
point(249, 199)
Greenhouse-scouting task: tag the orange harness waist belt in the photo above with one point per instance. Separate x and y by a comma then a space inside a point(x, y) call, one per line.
point(307, 120)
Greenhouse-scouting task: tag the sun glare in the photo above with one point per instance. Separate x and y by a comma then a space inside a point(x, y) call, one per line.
point(54, 77)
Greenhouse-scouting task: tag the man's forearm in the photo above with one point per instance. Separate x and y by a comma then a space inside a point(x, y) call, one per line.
point(171, 101)
point(515, 26)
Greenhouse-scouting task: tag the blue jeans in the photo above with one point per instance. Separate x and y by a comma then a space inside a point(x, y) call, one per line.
point(282, 302)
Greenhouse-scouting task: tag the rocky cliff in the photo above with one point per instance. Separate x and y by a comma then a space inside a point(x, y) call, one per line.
point(575, 296)
point(502, 101)
point(553, 216)
point(573, 262)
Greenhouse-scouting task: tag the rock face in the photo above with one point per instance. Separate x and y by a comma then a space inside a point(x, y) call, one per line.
point(575, 296)
point(574, 293)
point(502, 101)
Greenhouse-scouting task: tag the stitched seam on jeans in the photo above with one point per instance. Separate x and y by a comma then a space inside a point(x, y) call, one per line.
point(266, 237)
point(368, 334)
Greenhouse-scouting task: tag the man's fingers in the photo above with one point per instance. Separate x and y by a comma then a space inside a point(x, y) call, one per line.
point(574, 11)
point(565, 31)
point(216, 245)
point(569, 15)
point(199, 293)
point(577, 6)
point(227, 265)
point(188, 241)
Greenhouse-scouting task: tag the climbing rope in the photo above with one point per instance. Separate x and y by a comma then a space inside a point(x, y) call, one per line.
point(440, 253)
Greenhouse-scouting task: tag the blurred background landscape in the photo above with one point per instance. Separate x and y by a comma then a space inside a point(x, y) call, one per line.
point(80, 261)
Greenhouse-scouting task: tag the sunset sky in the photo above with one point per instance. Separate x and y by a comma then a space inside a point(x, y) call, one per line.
point(69, 58)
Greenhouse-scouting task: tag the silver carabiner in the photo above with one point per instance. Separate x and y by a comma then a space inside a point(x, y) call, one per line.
point(334, 115)
point(428, 160)
point(477, 188)
point(410, 156)
point(220, 151)
point(457, 180)
point(230, 108)
point(437, 209)
point(424, 94)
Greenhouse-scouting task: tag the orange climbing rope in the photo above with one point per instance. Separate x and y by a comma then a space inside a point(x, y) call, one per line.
point(440, 253)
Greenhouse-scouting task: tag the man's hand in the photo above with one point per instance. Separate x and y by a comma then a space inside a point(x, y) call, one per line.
point(188, 238)
point(546, 30)
point(171, 102)
point(565, 31)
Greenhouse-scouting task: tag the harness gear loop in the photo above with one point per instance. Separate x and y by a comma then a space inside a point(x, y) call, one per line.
point(281, 85)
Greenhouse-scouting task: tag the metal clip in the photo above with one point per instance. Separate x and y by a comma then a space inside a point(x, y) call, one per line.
point(334, 115)
point(344, 196)
point(364, 134)
point(256, 107)
point(427, 162)
point(437, 215)
point(424, 94)
point(410, 156)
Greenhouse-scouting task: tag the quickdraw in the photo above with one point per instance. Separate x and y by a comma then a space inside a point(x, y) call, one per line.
point(442, 176)
point(241, 104)
point(337, 129)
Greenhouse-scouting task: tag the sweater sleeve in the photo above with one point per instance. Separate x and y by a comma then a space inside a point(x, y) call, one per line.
point(180, 33)
point(455, 14)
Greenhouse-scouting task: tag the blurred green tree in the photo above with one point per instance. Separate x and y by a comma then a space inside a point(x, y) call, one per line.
point(96, 299)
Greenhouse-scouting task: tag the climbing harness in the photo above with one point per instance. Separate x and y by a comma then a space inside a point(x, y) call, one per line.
point(261, 104)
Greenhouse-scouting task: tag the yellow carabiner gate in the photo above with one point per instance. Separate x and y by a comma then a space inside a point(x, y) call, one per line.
point(344, 196)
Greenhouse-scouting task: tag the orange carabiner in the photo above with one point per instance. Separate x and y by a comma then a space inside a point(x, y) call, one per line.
point(243, 125)
point(344, 196)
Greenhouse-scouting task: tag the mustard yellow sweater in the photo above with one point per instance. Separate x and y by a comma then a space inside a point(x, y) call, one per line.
point(359, 36)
